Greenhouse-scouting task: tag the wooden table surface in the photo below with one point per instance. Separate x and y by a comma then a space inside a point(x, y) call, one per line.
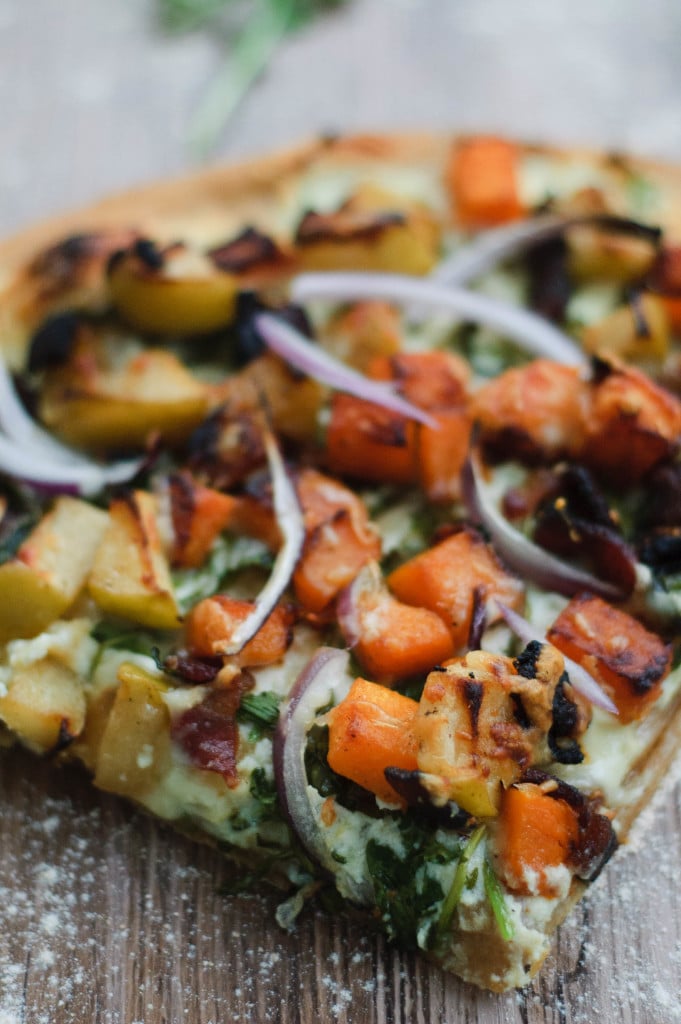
point(106, 917)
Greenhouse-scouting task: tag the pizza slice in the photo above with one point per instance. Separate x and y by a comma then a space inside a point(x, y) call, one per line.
point(340, 521)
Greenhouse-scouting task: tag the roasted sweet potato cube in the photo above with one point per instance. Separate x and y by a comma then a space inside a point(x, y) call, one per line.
point(370, 443)
point(130, 575)
point(211, 623)
point(199, 515)
point(482, 179)
point(629, 661)
point(369, 731)
point(449, 577)
point(633, 424)
point(50, 568)
point(536, 833)
point(339, 540)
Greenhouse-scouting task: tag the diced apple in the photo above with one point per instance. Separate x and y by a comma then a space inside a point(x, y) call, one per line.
point(44, 704)
point(130, 576)
point(134, 749)
point(44, 578)
point(108, 398)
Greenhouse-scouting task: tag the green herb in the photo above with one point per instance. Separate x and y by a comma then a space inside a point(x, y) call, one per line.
point(262, 788)
point(497, 901)
point(261, 709)
point(454, 895)
point(405, 892)
point(251, 34)
point(229, 555)
point(119, 637)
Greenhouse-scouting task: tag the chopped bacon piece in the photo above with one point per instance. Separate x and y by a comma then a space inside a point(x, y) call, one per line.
point(208, 732)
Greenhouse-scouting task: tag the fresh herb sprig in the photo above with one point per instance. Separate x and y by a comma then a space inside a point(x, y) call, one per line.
point(252, 32)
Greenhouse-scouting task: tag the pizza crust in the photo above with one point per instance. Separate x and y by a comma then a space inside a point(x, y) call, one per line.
point(212, 205)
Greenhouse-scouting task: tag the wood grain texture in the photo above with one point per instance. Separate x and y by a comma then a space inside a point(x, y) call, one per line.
point(105, 916)
point(108, 917)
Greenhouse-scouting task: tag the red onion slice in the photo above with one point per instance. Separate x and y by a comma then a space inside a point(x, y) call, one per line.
point(44, 470)
point(582, 681)
point(290, 519)
point(531, 332)
point(312, 360)
point(323, 679)
point(496, 245)
point(520, 553)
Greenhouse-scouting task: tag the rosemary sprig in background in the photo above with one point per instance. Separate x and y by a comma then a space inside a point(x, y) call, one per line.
point(252, 30)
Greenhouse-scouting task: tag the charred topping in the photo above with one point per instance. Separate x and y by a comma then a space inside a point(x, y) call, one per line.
point(226, 448)
point(182, 503)
point(526, 662)
point(148, 253)
point(52, 343)
point(410, 785)
point(597, 840)
point(550, 285)
point(473, 694)
point(575, 520)
point(636, 305)
point(249, 249)
point(662, 551)
point(248, 344)
point(519, 713)
point(478, 619)
point(344, 226)
point(189, 668)
point(665, 276)
point(65, 737)
point(665, 483)
point(565, 721)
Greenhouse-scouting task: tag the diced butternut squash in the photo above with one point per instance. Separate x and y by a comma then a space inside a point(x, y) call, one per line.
point(44, 705)
point(633, 425)
point(199, 516)
point(482, 179)
point(446, 578)
point(50, 568)
point(392, 640)
point(367, 442)
point(134, 750)
point(211, 623)
point(370, 731)
point(629, 661)
point(537, 832)
point(339, 540)
point(130, 575)
point(536, 412)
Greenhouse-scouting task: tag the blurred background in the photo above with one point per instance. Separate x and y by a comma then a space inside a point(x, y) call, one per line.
point(96, 95)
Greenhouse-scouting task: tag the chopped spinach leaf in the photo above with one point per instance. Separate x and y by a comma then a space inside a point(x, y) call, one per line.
point(404, 890)
point(262, 788)
point(261, 709)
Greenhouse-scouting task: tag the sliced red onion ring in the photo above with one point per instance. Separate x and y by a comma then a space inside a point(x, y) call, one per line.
point(582, 681)
point(496, 245)
point(531, 332)
point(324, 678)
point(312, 360)
point(44, 471)
point(290, 519)
point(520, 553)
